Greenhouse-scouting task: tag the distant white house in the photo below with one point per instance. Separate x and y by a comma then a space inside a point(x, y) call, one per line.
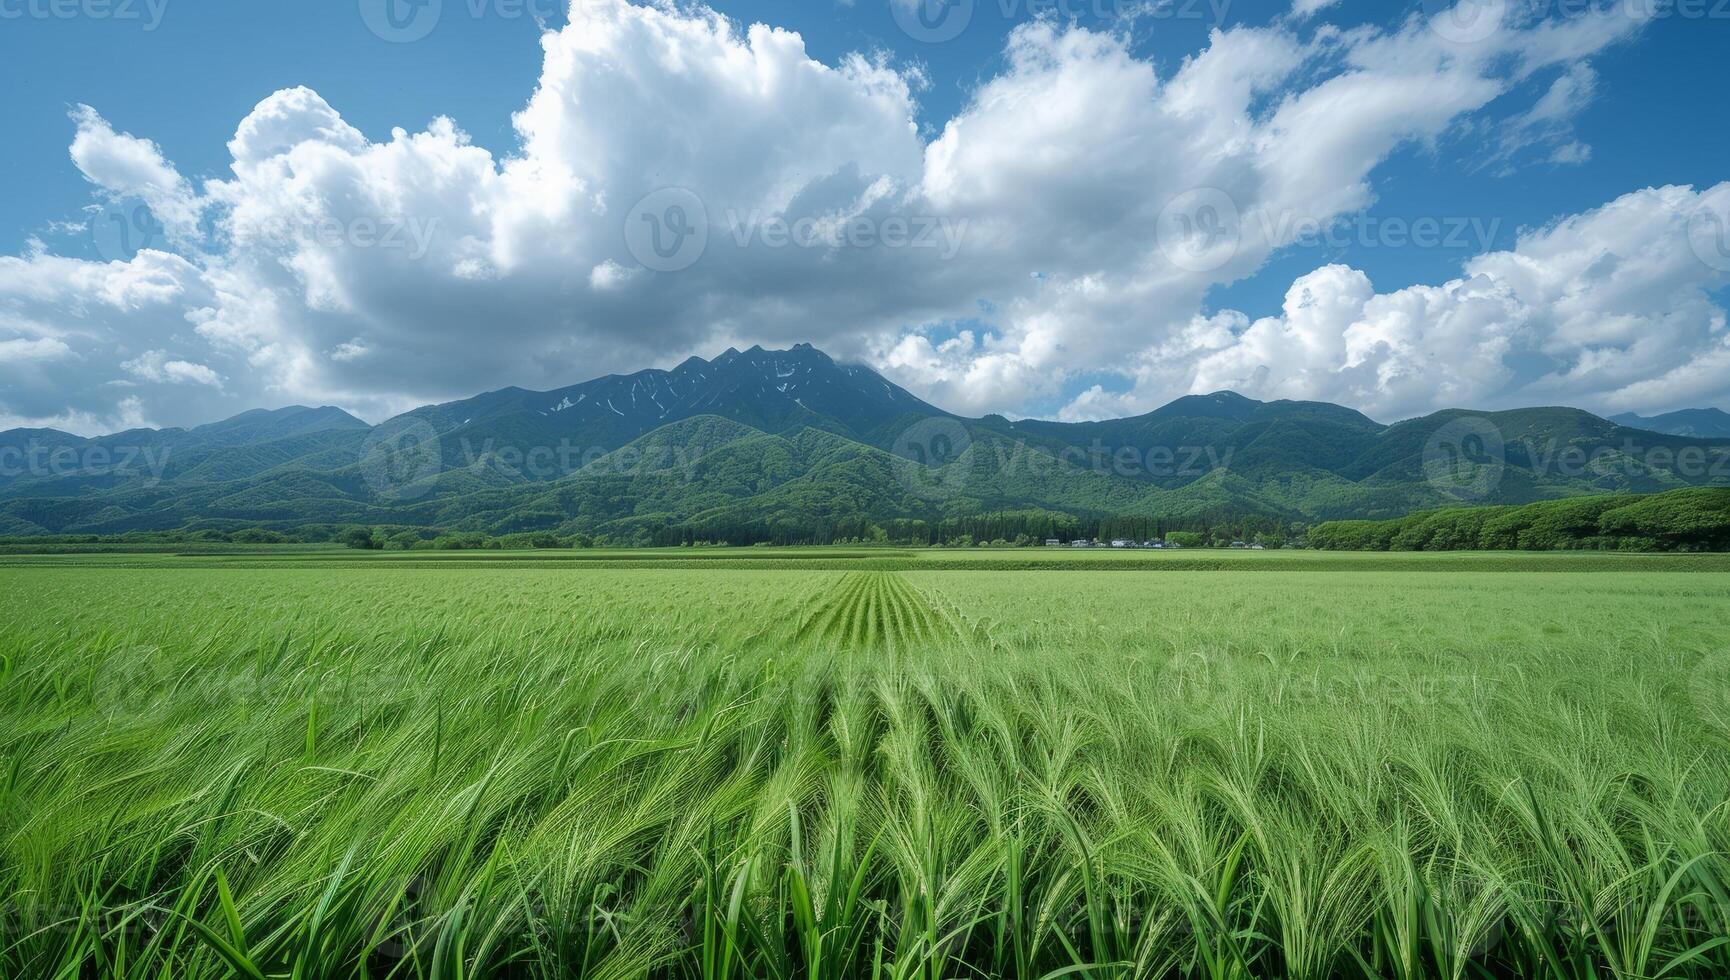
point(1053, 543)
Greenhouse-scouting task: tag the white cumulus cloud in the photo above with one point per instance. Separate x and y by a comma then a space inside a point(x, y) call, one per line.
point(328, 266)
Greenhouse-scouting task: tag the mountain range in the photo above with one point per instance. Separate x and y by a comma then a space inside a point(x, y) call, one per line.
point(793, 438)
point(1704, 423)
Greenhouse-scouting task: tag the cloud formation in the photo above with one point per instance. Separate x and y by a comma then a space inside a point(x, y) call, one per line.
point(680, 183)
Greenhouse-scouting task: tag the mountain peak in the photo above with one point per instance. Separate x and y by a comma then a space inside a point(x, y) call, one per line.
point(770, 390)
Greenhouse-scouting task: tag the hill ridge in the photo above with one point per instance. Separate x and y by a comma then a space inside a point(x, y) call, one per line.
point(793, 436)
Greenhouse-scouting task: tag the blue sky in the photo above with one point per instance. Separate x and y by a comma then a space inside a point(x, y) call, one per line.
point(183, 76)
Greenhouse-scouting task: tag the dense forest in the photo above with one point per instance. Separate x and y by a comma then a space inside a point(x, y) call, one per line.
point(1026, 528)
point(1696, 519)
point(1681, 520)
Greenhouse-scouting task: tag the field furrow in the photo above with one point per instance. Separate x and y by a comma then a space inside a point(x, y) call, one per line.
point(875, 610)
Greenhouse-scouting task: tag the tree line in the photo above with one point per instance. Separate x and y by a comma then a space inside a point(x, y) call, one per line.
point(1017, 528)
point(1696, 519)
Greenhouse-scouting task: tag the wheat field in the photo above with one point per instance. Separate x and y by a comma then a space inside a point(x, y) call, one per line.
point(359, 770)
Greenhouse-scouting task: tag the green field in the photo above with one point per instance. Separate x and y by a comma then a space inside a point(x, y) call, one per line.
point(803, 764)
